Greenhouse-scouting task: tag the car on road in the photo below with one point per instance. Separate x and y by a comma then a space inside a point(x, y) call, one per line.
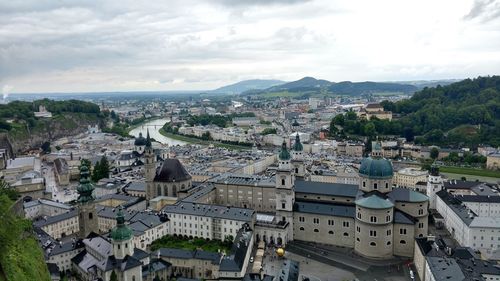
point(251, 259)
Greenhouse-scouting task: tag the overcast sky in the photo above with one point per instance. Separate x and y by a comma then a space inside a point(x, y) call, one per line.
point(130, 45)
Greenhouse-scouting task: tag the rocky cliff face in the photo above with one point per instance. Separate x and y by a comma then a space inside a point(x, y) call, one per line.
point(60, 126)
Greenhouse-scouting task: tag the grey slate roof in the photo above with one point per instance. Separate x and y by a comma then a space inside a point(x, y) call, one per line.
point(214, 211)
point(403, 218)
point(407, 195)
point(171, 170)
point(136, 186)
point(56, 218)
point(244, 179)
point(328, 209)
point(322, 188)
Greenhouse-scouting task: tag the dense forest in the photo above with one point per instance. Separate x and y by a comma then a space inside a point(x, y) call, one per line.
point(462, 113)
point(23, 112)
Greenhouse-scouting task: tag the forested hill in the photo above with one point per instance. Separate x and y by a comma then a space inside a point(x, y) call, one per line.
point(18, 121)
point(465, 112)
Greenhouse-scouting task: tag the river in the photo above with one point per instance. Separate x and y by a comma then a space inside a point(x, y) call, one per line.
point(154, 131)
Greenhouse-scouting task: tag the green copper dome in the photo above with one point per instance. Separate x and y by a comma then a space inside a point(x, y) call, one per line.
point(376, 168)
point(284, 154)
point(297, 146)
point(374, 202)
point(121, 232)
point(85, 188)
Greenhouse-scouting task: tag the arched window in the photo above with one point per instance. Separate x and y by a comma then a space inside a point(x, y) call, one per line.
point(158, 190)
point(296, 170)
point(183, 187)
point(174, 191)
point(301, 228)
point(402, 242)
point(357, 239)
point(133, 277)
point(126, 245)
point(330, 232)
point(375, 186)
point(346, 234)
point(282, 181)
point(386, 185)
point(373, 244)
point(316, 230)
point(165, 191)
point(388, 242)
point(91, 216)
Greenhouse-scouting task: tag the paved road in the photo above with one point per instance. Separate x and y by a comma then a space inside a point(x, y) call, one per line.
point(58, 193)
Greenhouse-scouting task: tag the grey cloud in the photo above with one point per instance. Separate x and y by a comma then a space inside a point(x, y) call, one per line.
point(484, 10)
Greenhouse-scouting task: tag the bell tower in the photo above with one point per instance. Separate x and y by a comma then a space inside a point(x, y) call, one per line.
point(150, 168)
point(285, 192)
point(121, 237)
point(434, 184)
point(87, 215)
point(298, 157)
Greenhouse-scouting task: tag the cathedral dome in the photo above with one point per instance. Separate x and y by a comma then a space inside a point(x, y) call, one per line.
point(121, 232)
point(376, 168)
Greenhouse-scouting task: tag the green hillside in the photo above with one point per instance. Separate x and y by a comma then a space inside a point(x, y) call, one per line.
point(21, 257)
point(18, 121)
point(462, 113)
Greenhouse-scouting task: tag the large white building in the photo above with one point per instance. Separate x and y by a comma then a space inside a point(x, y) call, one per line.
point(468, 228)
point(206, 221)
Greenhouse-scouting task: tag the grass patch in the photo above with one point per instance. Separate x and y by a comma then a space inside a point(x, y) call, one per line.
point(176, 242)
point(20, 255)
point(470, 171)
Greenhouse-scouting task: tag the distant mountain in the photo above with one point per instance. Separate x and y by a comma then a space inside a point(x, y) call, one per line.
point(310, 84)
point(247, 85)
point(306, 83)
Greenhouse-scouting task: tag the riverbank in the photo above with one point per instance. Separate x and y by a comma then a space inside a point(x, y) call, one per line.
point(202, 142)
point(144, 122)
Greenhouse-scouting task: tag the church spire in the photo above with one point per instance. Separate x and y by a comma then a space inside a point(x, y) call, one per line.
point(148, 139)
point(297, 146)
point(85, 188)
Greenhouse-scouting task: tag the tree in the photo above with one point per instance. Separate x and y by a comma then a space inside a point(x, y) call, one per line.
point(104, 166)
point(206, 136)
point(113, 276)
point(434, 153)
point(45, 147)
point(95, 177)
point(369, 130)
point(101, 169)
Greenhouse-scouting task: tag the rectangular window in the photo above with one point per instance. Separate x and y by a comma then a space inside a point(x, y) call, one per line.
point(402, 231)
point(345, 224)
point(373, 233)
point(330, 222)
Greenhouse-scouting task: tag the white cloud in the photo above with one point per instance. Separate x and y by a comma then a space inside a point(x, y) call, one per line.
point(81, 46)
